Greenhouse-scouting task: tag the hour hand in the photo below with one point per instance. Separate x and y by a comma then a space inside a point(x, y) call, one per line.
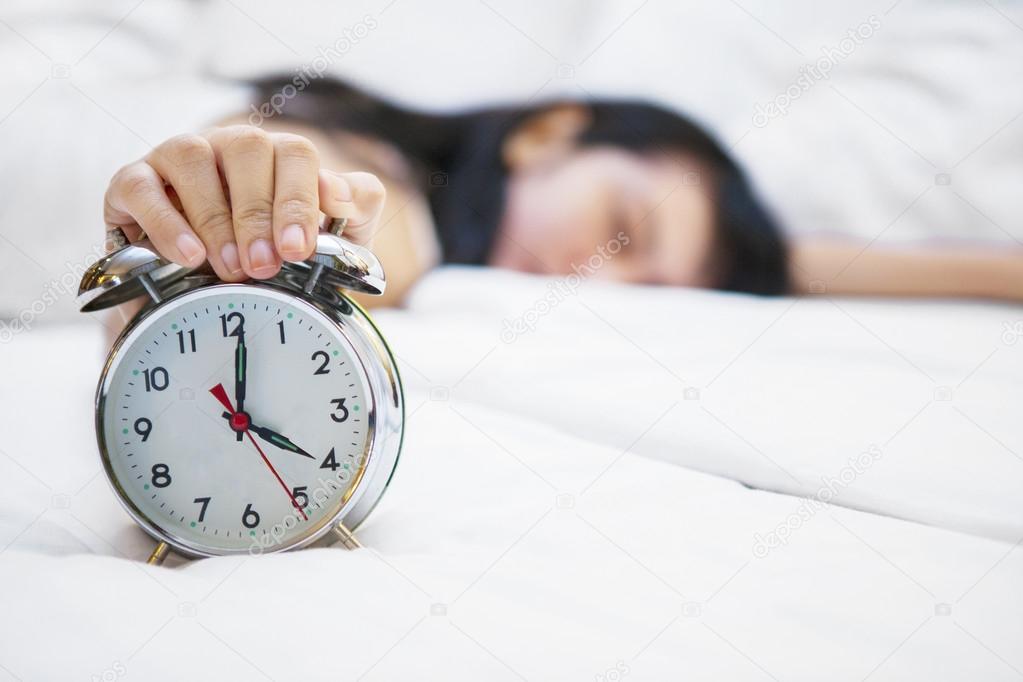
point(271, 436)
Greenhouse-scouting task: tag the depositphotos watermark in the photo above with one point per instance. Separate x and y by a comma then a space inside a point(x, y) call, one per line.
point(814, 72)
point(831, 486)
point(319, 497)
point(114, 671)
point(562, 288)
point(1012, 332)
point(53, 291)
point(616, 673)
point(315, 69)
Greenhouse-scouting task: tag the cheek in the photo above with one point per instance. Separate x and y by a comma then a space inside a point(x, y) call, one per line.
point(680, 242)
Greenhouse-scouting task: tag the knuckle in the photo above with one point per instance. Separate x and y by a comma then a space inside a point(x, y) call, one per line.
point(212, 220)
point(131, 182)
point(186, 150)
point(158, 220)
point(248, 140)
point(296, 147)
point(254, 219)
point(298, 204)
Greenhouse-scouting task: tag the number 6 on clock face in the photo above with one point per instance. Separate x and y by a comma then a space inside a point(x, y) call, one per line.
point(243, 418)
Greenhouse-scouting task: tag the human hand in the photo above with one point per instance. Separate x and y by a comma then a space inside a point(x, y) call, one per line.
point(241, 198)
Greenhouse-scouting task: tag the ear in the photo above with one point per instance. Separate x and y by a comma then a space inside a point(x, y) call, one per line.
point(544, 137)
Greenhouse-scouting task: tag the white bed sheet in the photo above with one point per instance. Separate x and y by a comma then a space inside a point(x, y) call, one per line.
point(563, 512)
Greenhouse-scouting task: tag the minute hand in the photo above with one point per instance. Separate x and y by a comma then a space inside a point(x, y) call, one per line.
point(240, 368)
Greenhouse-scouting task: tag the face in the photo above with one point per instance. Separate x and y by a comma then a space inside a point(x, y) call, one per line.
point(644, 218)
point(236, 419)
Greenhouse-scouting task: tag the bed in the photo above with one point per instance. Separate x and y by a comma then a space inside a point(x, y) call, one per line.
point(642, 483)
point(600, 481)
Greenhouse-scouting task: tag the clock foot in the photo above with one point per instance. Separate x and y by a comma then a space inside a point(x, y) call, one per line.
point(159, 554)
point(345, 536)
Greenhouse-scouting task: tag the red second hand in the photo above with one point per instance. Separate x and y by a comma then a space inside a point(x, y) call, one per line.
point(277, 475)
point(221, 395)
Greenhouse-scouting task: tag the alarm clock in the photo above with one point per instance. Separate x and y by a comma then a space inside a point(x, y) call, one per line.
point(252, 417)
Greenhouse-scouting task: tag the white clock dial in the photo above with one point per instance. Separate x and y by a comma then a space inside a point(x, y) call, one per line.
point(237, 418)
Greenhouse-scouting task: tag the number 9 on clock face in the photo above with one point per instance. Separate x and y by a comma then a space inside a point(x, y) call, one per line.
point(237, 418)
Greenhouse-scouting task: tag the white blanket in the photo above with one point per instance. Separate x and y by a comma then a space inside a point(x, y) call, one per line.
point(566, 509)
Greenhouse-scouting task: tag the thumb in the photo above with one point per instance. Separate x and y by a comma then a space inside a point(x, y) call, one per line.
point(358, 196)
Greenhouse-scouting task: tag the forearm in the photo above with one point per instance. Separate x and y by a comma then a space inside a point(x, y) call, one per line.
point(846, 268)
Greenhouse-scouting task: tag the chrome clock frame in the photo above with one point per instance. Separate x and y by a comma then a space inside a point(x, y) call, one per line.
point(136, 270)
point(384, 416)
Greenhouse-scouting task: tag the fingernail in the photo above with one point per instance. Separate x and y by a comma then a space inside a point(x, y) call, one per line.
point(190, 248)
point(293, 241)
point(261, 255)
point(229, 254)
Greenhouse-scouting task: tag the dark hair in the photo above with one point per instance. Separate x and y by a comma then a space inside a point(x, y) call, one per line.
point(456, 160)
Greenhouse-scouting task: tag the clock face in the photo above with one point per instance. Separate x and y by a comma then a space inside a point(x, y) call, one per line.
point(236, 419)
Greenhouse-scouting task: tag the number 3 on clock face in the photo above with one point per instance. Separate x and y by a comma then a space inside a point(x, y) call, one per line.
point(236, 418)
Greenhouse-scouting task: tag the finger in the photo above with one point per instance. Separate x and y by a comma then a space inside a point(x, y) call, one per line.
point(187, 163)
point(359, 197)
point(246, 154)
point(136, 196)
point(296, 210)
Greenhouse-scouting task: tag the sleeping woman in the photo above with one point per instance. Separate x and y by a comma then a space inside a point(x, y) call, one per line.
point(537, 188)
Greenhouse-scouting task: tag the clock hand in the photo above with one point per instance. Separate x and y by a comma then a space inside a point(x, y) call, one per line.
point(280, 480)
point(240, 370)
point(243, 421)
point(221, 395)
point(271, 436)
